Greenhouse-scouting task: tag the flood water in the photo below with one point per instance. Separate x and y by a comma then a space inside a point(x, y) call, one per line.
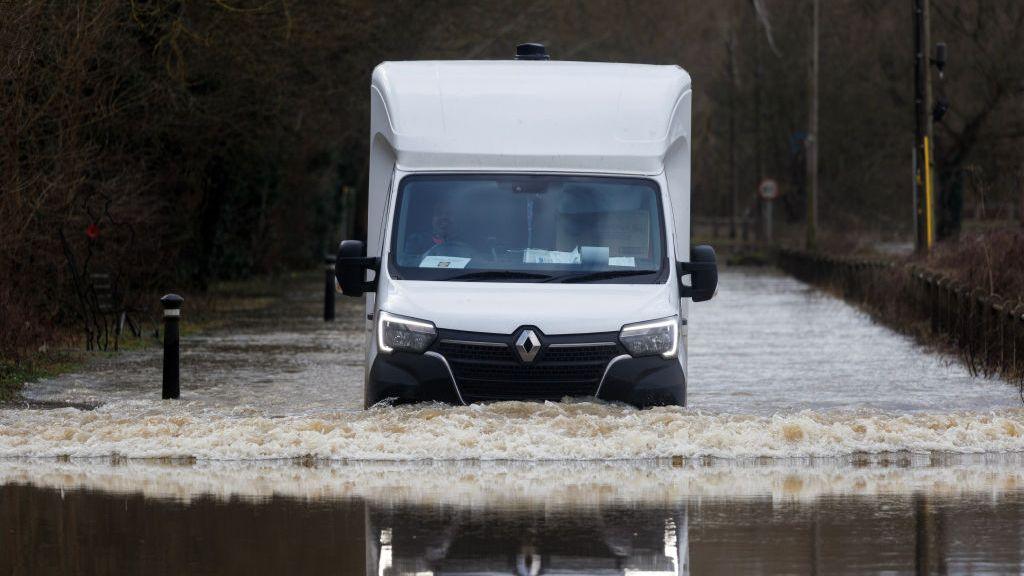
point(815, 442)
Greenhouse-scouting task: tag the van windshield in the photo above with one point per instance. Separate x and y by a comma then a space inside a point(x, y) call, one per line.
point(506, 228)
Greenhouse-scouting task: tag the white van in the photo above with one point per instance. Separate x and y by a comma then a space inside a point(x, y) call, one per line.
point(528, 232)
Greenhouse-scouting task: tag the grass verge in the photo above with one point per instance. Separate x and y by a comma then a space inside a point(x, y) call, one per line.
point(46, 364)
point(206, 311)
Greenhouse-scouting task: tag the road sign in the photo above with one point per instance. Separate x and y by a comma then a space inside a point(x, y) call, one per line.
point(768, 189)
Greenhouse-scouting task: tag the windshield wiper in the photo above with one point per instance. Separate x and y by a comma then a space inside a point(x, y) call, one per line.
point(499, 275)
point(591, 276)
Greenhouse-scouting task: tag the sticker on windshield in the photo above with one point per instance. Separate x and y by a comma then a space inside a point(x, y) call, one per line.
point(538, 256)
point(444, 262)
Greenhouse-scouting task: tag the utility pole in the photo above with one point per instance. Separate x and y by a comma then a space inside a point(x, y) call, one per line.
point(924, 225)
point(758, 164)
point(733, 168)
point(812, 138)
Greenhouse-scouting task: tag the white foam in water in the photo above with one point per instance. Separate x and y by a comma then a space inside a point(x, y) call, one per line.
point(487, 484)
point(502, 431)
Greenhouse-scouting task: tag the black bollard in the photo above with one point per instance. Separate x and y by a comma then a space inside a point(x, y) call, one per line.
point(172, 317)
point(329, 290)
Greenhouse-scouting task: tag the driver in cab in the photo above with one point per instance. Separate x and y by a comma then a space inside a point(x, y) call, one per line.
point(446, 248)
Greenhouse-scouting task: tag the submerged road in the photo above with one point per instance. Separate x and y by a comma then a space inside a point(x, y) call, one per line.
point(776, 369)
point(815, 440)
point(770, 344)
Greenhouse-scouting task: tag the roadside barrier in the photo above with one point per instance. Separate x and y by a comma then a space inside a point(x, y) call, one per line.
point(329, 289)
point(986, 331)
point(713, 228)
point(172, 353)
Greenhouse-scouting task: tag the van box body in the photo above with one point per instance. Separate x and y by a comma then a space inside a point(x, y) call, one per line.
point(527, 226)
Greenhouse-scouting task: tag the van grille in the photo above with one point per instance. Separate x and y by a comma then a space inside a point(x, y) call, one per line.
point(491, 370)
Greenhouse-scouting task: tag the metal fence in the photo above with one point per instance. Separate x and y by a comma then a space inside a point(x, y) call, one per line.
point(743, 229)
point(987, 332)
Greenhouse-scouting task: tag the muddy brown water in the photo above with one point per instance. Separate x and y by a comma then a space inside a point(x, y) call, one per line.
point(816, 442)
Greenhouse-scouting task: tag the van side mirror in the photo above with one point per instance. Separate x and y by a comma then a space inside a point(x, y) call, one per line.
point(350, 268)
point(703, 271)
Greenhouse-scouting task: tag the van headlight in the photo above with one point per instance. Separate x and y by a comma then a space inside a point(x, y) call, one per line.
point(403, 334)
point(650, 338)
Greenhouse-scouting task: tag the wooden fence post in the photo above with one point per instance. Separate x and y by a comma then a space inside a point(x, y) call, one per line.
point(933, 297)
point(947, 295)
point(966, 315)
point(1018, 342)
point(979, 306)
point(998, 308)
point(940, 304)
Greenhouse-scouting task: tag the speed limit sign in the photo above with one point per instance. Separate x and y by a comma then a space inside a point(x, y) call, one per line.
point(768, 189)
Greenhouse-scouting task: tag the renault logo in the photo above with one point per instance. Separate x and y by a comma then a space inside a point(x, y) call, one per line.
point(527, 345)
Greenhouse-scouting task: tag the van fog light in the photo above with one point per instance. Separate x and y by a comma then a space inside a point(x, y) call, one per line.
point(403, 334)
point(650, 338)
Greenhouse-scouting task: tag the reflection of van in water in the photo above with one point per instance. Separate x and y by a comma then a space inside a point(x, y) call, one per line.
point(528, 232)
point(526, 539)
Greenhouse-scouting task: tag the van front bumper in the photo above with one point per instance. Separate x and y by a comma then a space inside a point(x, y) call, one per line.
point(403, 377)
